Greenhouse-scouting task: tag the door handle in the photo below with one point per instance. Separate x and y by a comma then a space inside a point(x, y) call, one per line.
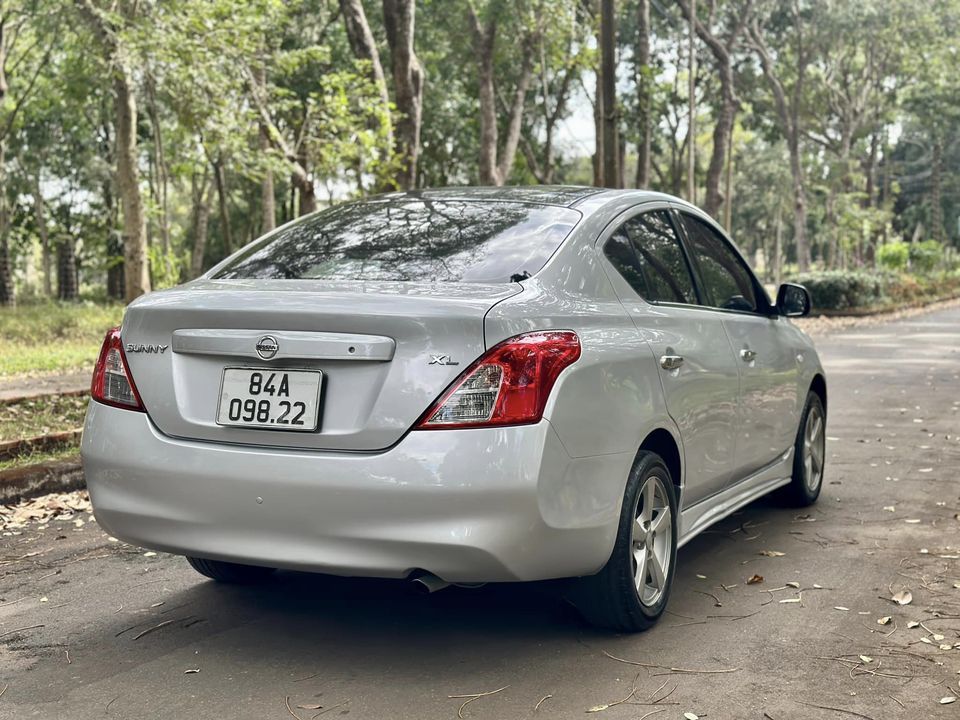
point(748, 355)
point(671, 362)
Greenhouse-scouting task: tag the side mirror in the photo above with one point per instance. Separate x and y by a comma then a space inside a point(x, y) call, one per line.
point(793, 300)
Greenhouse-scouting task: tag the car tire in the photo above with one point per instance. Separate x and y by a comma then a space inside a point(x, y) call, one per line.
point(614, 598)
point(232, 573)
point(809, 454)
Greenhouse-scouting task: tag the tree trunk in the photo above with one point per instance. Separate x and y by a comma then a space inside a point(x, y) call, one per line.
point(399, 20)
point(608, 87)
point(40, 217)
point(67, 280)
point(201, 221)
point(220, 177)
point(160, 165)
point(268, 201)
point(136, 264)
point(6, 274)
point(306, 191)
point(644, 84)
point(936, 189)
point(692, 99)
point(484, 38)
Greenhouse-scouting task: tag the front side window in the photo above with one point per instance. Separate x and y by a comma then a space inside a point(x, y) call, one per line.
point(647, 252)
point(727, 283)
point(412, 239)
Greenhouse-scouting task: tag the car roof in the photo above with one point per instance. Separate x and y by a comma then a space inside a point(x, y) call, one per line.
point(558, 195)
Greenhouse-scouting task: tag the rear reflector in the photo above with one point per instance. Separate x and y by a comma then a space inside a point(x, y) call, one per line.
point(112, 382)
point(509, 385)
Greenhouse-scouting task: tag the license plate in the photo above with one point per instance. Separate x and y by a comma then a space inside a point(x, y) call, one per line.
point(270, 399)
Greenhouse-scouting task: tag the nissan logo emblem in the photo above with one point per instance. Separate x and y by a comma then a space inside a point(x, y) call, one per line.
point(267, 347)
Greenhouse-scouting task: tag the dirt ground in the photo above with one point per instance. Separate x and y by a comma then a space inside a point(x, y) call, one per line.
point(91, 628)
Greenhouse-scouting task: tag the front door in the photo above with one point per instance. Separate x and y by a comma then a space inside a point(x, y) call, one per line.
point(698, 371)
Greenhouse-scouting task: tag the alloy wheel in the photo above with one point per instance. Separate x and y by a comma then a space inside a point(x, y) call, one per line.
point(814, 448)
point(652, 540)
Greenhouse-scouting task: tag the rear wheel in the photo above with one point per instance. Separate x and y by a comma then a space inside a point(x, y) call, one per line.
point(232, 573)
point(631, 592)
point(809, 454)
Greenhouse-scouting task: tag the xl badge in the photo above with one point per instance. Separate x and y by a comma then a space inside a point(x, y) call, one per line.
point(442, 360)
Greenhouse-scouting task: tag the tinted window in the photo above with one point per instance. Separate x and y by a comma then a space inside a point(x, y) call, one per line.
point(657, 258)
point(411, 239)
point(622, 256)
point(726, 281)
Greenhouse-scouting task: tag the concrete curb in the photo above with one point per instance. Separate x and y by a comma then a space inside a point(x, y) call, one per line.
point(29, 481)
point(13, 399)
point(11, 448)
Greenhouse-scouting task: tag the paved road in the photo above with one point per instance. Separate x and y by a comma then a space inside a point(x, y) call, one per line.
point(371, 649)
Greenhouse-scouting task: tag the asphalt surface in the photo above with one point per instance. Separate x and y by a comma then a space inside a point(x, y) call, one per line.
point(122, 633)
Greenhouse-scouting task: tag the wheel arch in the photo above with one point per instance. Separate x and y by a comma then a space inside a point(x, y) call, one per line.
point(662, 442)
point(819, 386)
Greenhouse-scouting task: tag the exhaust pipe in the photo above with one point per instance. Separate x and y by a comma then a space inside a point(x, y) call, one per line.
point(429, 583)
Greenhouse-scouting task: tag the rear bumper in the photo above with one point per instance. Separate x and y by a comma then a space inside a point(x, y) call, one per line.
point(467, 505)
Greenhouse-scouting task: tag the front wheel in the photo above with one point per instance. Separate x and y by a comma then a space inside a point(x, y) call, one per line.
point(630, 593)
point(809, 454)
point(232, 573)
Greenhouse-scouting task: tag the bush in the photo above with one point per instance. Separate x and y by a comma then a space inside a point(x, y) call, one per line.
point(925, 256)
point(840, 289)
point(894, 256)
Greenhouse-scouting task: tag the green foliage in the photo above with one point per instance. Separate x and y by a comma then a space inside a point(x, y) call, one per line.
point(51, 336)
point(894, 256)
point(842, 290)
point(926, 256)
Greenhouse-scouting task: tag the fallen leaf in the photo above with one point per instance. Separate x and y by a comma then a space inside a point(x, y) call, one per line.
point(842, 608)
point(790, 600)
point(771, 553)
point(946, 646)
point(924, 551)
point(755, 580)
point(691, 716)
point(884, 620)
point(912, 521)
point(309, 707)
point(150, 554)
point(597, 708)
point(947, 700)
point(191, 671)
point(889, 508)
point(701, 577)
point(925, 470)
point(866, 659)
point(904, 597)
point(938, 637)
point(913, 623)
point(928, 641)
point(793, 584)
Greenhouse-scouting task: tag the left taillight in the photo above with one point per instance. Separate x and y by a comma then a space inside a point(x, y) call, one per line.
point(112, 382)
point(508, 385)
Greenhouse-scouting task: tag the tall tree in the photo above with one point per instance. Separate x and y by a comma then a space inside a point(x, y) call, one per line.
point(643, 79)
point(786, 77)
point(106, 24)
point(722, 35)
point(496, 160)
point(610, 148)
point(399, 20)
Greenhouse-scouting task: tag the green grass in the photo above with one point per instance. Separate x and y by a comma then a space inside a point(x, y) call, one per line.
point(45, 415)
point(53, 337)
point(67, 451)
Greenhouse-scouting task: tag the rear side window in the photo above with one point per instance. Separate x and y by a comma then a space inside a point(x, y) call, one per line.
point(411, 239)
point(727, 282)
point(647, 252)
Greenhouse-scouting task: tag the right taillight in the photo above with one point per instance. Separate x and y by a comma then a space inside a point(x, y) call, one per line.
point(112, 382)
point(509, 385)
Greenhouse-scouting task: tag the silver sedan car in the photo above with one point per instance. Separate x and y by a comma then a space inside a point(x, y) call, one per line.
point(460, 386)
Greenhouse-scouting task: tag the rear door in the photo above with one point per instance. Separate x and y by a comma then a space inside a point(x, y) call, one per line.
point(698, 372)
point(767, 363)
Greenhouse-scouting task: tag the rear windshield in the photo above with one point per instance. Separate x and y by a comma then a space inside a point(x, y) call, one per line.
point(416, 239)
